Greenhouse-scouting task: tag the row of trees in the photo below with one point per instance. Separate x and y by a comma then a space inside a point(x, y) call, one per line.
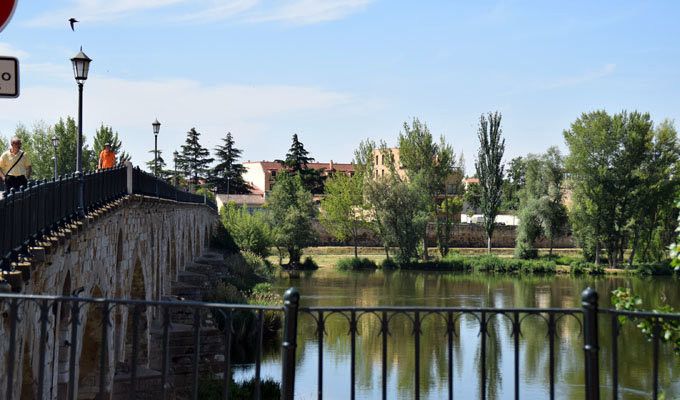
point(398, 209)
point(621, 175)
point(37, 143)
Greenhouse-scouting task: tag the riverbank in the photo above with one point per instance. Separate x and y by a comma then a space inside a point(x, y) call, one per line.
point(566, 261)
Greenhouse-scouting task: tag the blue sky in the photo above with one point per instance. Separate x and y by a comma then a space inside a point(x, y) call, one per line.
point(338, 71)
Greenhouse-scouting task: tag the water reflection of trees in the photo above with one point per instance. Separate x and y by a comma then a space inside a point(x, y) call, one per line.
point(451, 290)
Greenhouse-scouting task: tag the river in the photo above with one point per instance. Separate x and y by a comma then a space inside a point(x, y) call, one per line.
point(328, 287)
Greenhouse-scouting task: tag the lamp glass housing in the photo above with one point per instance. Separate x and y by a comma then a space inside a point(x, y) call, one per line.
point(156, 127)
point(81, 66)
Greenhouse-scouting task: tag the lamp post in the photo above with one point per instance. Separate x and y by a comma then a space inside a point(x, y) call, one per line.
point(228, 183)
point(55, 144)
point(156, 128)
point(81, 67)
point(175, 155)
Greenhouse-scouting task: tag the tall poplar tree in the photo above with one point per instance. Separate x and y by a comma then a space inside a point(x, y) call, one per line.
point(228, 173)
point(489, 167)
point(194, 159)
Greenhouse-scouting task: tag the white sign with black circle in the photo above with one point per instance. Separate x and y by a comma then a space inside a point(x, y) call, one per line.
point(9, 77)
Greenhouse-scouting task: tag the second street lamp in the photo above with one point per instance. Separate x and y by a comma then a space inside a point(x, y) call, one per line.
point(156, 128)
point(81, 67)
point(175, 156)
point(55, 144)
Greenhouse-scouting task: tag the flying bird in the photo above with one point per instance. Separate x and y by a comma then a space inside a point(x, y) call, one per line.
point(72, 21)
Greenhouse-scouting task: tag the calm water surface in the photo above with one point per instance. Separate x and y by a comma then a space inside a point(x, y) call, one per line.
point(328, 287)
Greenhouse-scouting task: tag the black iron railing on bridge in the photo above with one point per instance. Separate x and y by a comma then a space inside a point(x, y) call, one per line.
point(20, 308)
point(44, 207)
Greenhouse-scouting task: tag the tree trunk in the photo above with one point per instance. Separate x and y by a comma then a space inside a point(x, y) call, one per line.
point(387, 252)
point(488, 244)
point(294, 257)
point(552, 240)
point(425, 246)
point(597, 254)
point(356, 252)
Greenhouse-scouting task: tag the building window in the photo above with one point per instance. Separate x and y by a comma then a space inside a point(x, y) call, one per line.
point(376, 160)
point(273, 173)
point(382, 159)
point(382, 172)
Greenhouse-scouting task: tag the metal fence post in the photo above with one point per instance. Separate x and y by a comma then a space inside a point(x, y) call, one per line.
point(128, 177)
point(291, 302)
point(590, 343)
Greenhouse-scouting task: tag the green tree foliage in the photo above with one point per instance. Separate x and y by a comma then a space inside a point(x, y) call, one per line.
point(654, 220)
point(291, 210)
point(399, 211)
point(363, 159)
point(675, 247)
point(37, 143)
point(343, 209)
point(4, 144)
point(541, 210)
point(428, 164)
point(105, 134)
point(67, 132)
point(473, 195)
point(157, 166)
point(228, 173)
point(619, 167)
point(489, 169)
point(194, 159)
point(296, 162)
point(669, 330)
point(512, 184)
point(448, 214)
point(250, 231)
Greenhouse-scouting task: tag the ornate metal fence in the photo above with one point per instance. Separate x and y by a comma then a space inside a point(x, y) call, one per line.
point(195, 317)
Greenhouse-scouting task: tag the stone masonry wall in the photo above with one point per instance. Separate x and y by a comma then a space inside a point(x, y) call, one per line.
point(133, 250)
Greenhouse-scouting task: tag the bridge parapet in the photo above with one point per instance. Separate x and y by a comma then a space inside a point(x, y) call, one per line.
point(36, 215)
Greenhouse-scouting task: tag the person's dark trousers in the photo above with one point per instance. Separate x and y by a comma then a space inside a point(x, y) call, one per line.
point(14, 182)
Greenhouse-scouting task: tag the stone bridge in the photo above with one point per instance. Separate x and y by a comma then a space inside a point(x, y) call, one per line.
point(133, 248)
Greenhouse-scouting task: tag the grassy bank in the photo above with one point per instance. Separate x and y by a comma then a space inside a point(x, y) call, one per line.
point(563, 261)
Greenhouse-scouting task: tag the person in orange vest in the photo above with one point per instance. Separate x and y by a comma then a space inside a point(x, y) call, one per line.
point(107, 158)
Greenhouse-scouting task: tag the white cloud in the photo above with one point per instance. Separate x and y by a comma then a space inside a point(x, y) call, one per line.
point(203, 11)
point(99, 10)
point(588, 76)
point(250, 112)
point(8, 50)
point(222, 10)
point(313, 11)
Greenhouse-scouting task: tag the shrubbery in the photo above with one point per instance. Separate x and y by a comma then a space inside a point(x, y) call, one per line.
point(309, 264)
point(485, 263)
point(658, 268)
point(584, 267)
point(355, 263)
point(211, 389)
point(250, 232)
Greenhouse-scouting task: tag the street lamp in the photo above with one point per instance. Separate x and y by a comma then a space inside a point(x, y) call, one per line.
point(81, 67)
point(175, 155)
point(55, 144)
point(156, 128)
